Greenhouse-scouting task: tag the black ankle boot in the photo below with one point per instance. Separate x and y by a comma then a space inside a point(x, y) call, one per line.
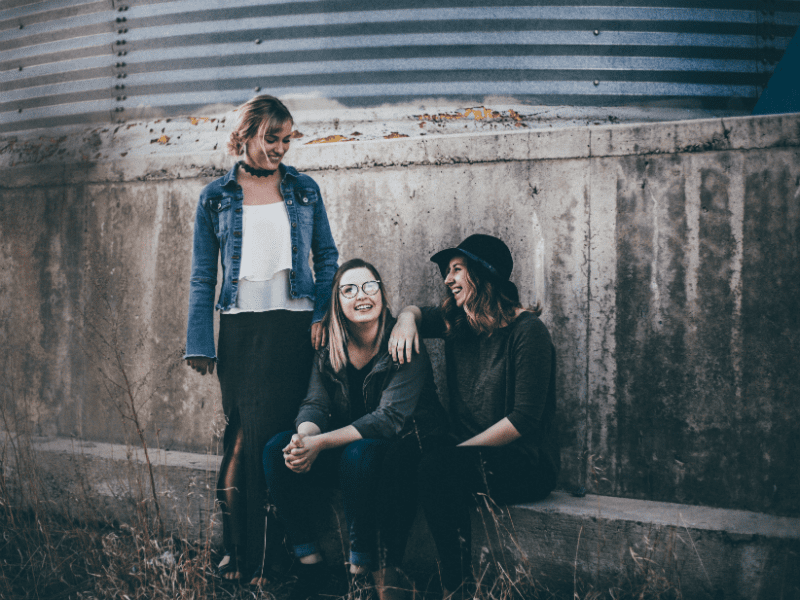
point(311, 580)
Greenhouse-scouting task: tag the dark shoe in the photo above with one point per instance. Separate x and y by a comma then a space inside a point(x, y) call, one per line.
point(311, 580)
point(228, 569)
point(263, 578)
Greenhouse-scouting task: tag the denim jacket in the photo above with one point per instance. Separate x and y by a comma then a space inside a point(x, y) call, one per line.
point(400, 399)
point(218, 229)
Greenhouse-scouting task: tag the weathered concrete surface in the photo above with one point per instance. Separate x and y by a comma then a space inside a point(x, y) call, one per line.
point(97, 482)
point(666, 256)
point(599, 542)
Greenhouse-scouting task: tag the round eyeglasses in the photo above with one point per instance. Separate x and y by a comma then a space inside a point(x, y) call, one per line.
point(351, 289)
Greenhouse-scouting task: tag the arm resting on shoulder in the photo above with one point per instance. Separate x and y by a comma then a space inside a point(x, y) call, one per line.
point(404, 339)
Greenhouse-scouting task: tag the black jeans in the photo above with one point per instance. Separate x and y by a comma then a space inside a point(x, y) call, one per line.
point(397, 493)
point(448, 476)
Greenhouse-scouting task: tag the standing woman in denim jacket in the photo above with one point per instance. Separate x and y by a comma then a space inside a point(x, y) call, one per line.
point(262, 219)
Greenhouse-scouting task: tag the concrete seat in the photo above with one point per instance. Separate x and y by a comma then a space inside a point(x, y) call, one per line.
point(562, 542)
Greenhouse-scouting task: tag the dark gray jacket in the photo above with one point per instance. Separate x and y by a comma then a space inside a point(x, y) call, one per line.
point(400, 399)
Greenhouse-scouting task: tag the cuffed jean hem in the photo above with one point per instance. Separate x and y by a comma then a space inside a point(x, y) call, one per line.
point(302, 550)
point(361, 559)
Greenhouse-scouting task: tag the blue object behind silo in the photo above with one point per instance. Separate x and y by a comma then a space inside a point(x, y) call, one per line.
point(783, 90)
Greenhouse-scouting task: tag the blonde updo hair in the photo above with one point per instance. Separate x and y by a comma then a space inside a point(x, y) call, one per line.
point(257, 117)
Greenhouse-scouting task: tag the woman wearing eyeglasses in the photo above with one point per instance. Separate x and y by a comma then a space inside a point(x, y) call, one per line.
point(358, 401)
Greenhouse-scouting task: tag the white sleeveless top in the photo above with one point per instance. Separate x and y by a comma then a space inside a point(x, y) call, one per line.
point(266, 261)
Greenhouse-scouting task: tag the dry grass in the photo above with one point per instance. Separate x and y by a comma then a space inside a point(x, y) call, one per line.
point(63, 544)
point(56, 545)
point(46, 553)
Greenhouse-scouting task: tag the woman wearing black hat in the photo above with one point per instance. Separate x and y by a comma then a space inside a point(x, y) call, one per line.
point(500, 365)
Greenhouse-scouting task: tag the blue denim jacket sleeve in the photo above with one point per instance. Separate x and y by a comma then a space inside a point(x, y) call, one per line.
point(205, 253)
point(325, 257)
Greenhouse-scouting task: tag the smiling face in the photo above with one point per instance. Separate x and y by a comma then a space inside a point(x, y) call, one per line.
point(457, 280)
point(362, 308)
point(268, 154)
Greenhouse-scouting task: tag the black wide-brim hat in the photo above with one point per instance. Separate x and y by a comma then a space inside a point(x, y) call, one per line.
point(486, 250)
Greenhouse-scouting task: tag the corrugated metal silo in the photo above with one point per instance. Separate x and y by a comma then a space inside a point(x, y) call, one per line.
point(77, 61)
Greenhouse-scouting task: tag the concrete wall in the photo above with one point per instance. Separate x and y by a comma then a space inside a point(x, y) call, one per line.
point(666, 256)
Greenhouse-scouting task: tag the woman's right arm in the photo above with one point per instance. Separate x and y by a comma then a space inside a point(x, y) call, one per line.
point(312, 419)
point(316, 406)
point(200, 352)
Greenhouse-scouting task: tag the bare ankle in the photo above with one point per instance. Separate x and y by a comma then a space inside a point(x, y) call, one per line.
point(311, 559)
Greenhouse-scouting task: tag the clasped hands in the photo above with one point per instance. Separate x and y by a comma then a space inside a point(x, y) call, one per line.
point(301, 452)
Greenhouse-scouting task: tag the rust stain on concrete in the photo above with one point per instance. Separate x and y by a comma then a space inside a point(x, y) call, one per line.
point(331, 139)
point(479, 114)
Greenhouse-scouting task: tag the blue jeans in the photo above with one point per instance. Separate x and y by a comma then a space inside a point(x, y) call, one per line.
point(354, 468)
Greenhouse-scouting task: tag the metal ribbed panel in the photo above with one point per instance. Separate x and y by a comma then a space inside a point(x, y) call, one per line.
point(55, 63)
point(77, 61)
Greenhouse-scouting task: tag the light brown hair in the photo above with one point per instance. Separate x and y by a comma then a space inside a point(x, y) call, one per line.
point(334, 321)
point(258, 117)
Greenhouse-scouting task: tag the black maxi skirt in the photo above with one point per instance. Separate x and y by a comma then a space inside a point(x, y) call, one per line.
point(264, 363)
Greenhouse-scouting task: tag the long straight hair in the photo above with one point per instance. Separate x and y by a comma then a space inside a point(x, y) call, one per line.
point(334, 321)
point(492, 304)
point(258, 117)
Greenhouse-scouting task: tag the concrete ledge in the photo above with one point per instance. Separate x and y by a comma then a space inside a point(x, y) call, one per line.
point(103, 482)
point(704, 552)
point(195, 149)
point(596, 540)
point(679, 516)
point(100, 450)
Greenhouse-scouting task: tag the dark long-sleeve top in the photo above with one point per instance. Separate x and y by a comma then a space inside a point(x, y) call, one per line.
point(398, 399)
point(510, 373)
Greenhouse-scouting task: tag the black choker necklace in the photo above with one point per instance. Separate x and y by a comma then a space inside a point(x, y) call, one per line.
point(255, 172)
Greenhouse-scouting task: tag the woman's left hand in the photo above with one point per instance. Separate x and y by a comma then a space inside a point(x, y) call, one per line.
point(299, 458)
point(319, 336)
